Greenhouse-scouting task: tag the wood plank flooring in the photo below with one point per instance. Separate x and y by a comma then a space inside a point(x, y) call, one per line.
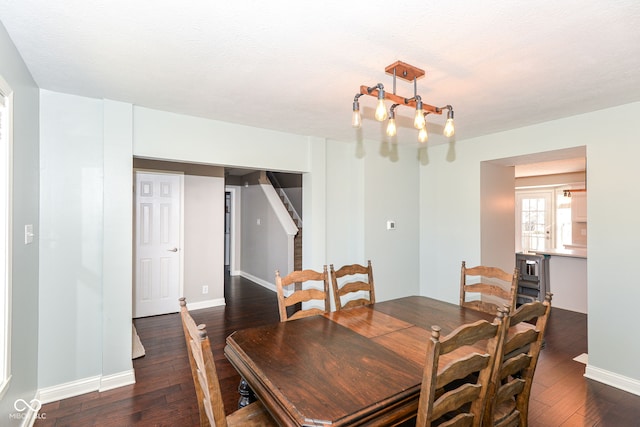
point(164, 395)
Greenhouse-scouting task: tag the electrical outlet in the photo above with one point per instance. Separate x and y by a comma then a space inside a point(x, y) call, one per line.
point(205, 289)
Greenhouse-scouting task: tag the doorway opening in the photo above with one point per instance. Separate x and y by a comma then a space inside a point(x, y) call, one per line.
point(526, 198)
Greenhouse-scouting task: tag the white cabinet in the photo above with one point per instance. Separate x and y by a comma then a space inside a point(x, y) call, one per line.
point(568, 282)
point(579, 207)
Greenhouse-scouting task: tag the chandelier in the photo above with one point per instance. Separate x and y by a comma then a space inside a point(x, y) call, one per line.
point(411, 74)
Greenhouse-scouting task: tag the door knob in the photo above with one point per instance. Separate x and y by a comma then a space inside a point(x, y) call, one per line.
point(173, 250)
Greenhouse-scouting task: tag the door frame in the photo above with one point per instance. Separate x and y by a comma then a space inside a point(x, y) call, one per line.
point(234, 244)
point(550, 221)
point(181, 230)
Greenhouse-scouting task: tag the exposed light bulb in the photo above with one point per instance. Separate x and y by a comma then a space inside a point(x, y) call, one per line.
point(356, 118)
point(391, 127)
point(381, 111)
point(449, 129)
point(418, 121)
point(423, 136)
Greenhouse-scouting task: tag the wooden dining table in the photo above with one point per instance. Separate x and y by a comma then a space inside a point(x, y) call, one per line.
point(359, 366)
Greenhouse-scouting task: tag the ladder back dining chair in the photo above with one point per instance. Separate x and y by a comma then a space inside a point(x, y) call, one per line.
point(205, 379)
point(508, 402)
point(301, 293)
point(350, 280)
point(457, 373)
point(492, 288)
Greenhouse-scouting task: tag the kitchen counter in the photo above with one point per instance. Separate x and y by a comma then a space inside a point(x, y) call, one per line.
point(574, 253)
point(567, 278)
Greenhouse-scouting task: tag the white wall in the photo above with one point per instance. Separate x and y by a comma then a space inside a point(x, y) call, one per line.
point(449, 227)
point(26, 182)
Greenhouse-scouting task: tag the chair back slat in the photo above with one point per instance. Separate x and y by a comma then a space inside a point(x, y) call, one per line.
point(512, 378)
point(203, 370)
point(353, 285)
point(455, 386)
point(299, 295)
point(205, 380)
point(492, 287)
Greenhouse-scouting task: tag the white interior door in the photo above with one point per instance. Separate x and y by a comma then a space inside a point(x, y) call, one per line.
point(158, 224)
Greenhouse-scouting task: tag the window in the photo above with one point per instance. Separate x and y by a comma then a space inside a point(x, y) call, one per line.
point(5, 233)
point(563, 219)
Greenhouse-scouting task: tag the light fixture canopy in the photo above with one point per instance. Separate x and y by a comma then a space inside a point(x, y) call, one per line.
point(408, 73)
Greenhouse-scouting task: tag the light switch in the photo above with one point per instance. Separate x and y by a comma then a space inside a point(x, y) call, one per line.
point(28, 234)
point(391, 225)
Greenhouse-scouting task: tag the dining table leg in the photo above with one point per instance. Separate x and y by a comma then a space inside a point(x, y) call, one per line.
point(247, 396)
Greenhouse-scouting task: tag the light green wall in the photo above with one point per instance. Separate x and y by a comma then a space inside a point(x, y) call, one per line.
point(391, 183)
point(24, 314)
point(71, 242)
point(450, 213)
point(73, 302)
point(368, 184)
point(613, 150)
point(162, 135)
point(345, 225)
point(351, 190)
point(117, 252)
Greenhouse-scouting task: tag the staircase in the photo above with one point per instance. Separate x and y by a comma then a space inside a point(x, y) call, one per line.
point(297, 240)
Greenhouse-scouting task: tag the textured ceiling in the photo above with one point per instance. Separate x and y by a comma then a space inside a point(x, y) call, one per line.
point(295, 66)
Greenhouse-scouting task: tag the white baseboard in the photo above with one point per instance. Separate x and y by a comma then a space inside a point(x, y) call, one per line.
point(30, 416)
point(259, 281)
point(611, 378)
point(70, 389)
point(85, 385)
point(205, 304)
point(121, 379)
point(30, 419)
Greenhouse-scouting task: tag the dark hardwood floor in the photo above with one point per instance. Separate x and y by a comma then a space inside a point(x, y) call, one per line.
point(164, 395)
